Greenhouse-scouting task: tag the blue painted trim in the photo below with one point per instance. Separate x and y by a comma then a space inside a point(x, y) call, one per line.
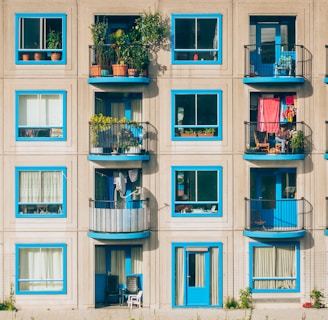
point(251, 80)
point(184, 245)
point(326, 232)
point(39, 216)
point(132, 157)
point(219, 40)
point(100, 80)
point(174, 93)
point(18, 93)
point(326, 156)
point(274, 156)
point(62, 246)
point(219, 195)
point(325, 80)
point(275, 235)
point(63, 50)
point(273, 244)
point(119, 236)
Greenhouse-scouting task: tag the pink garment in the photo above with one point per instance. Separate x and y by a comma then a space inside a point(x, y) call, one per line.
point(268, 115)
point(290, 100)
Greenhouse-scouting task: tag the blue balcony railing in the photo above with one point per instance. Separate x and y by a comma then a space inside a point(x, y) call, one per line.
point(117, 217)
point(283, 62)
point(284, 215)
point(260, 138)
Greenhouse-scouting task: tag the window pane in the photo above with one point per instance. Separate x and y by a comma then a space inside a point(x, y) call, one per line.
point(30, 31)
point(207, 186)
point(207, 109)
point(185, 33)
point(185, 109)
point(41, 269)
point(207, 34)
point(288, 180)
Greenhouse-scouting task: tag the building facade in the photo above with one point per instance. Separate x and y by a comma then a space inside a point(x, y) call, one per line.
point(188, 187)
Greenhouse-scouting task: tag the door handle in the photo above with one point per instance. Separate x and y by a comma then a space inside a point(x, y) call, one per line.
point(259, 50)
point(188, 276)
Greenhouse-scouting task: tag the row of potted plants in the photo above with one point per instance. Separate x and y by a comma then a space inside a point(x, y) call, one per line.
point(127, 50)
point(54, 42)
point(206, 132)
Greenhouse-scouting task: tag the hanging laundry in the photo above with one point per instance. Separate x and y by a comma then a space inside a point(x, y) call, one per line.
point(289, 100)
point(133, 174)
point(268, 115)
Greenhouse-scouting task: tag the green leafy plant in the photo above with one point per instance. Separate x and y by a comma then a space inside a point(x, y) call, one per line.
point(316, 296)
point(298, 140)
point(98, 123)
point(245, 298)
point(230, 303)
point(120, 42)
point(9, 303)
point(54, 40)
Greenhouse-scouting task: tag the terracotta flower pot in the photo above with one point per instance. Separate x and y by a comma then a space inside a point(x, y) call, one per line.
point(120, 70)
point(55, 56)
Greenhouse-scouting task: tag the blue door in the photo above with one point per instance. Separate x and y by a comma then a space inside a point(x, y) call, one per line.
point(198, 278)
point(276, 191)
point(268, 41)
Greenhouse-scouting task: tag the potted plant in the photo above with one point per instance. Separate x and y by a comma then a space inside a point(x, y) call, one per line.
point(54, 41)
point(298, 141)
point(119, 40)
point(102, 52)
point(207, 132)
point(188, 133)
point(98, 123)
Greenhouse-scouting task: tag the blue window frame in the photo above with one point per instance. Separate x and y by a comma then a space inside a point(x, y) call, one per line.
point(32, 38)
point(197, 274)
point(196, 191)
point(275, 267)
point(41, 269)
point(40, 192)
point(196, 114)
point(40, 115)
point(196, 38)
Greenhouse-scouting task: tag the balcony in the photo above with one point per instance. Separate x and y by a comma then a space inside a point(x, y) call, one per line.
point(326, 65)
point(275, 218)
point(283, 63)
point(260, 143)
point(103, 67)
point(108, 220)
point(117, 141)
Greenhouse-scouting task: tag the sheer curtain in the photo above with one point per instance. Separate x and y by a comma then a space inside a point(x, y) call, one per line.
point(43, 267)
point(179, 276)
point(118, 264)
point(274, 262)
point(100, 260)
point(214, 258)
point(40, 187)
point(136, 110)
point(199, 269)
point(136, 260)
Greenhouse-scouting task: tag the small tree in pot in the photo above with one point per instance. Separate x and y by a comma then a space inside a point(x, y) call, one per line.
point(54, 41)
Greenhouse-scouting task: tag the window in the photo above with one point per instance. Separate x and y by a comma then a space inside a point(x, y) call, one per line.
point(39, 37)
point(274, 267)
point(40, 115)
point(197, 274)
point(41, 192)
point(197, 115)
point(41, 268)
point(197, 191)
point(197, 39)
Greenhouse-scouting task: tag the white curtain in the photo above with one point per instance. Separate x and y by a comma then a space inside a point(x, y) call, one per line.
point(136, 260)
point(41, 110)
point(136, 110)
point(117, 110)
point(43, 267)
point(274, 262)
point(214, 257)
point(179, 276)
point(199, 270)
point(100, 260)
point(118, 264)
point(40, 187)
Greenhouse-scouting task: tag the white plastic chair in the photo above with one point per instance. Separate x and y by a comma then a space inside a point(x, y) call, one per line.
point(134, 299)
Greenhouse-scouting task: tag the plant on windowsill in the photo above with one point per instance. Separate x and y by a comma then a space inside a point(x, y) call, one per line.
point(207, 132)
point(316, 296)
point(54, 41)
point(188, 133)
